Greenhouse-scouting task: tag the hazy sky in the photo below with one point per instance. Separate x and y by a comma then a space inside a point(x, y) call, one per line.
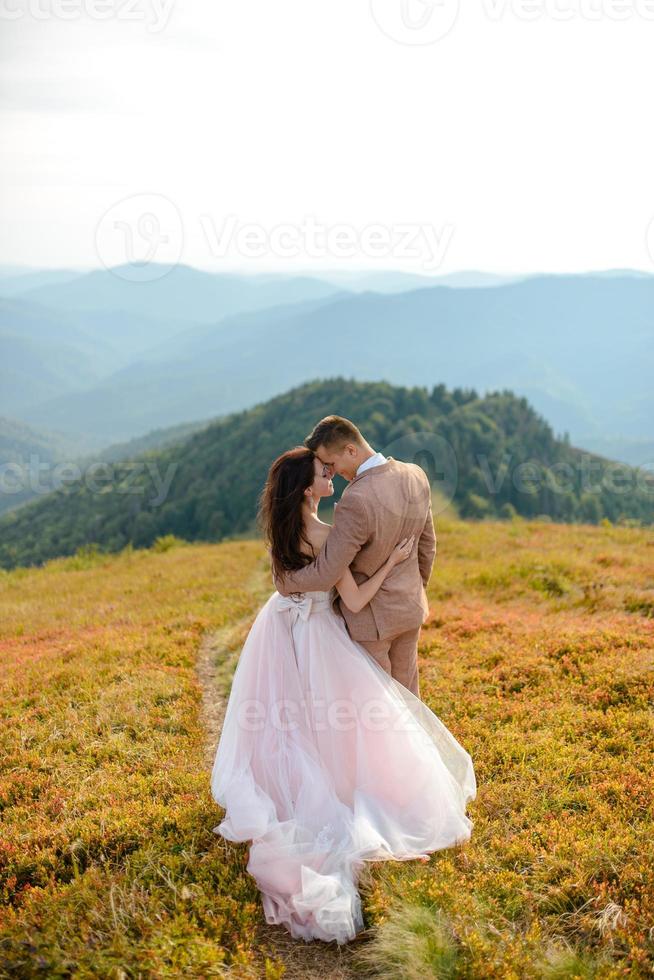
point(508, 137)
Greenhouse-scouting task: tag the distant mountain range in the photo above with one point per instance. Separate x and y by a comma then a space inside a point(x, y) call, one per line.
point(183, 292)
point(402, 282)
point(103, 359)
point(14, 280)
point(205, 485)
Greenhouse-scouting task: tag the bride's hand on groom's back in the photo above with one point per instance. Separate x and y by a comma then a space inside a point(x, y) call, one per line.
point(402, 550)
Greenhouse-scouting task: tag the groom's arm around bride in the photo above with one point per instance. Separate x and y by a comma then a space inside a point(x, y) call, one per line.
point(383, 503)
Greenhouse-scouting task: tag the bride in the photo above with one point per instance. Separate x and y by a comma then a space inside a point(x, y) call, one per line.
point(326, 761)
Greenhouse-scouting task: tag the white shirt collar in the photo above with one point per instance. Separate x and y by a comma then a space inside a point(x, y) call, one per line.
point(375, 460)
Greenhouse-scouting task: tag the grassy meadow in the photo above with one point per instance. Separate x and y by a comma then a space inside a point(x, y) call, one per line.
point(538, 655)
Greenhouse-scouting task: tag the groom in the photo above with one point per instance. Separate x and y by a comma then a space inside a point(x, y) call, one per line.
point(386, 500)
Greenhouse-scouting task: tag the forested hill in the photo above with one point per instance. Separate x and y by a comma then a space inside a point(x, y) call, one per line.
point(206, 487)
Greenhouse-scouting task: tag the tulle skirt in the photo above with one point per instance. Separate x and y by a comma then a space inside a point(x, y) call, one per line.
point(325, 761)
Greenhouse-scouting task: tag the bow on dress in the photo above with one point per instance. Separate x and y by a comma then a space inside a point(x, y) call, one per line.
point(303, 605)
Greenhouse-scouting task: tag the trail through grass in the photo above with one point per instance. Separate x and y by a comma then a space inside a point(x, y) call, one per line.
point(538, 655)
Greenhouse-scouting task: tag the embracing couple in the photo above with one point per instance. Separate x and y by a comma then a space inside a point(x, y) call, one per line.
point(328, 757)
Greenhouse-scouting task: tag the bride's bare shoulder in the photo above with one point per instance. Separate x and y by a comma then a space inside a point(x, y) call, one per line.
point(317, 532)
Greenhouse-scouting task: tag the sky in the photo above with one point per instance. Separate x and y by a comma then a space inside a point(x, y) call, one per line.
point(510, 137)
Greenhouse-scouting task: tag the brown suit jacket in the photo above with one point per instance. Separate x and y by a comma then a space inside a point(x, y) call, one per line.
point(378, 508)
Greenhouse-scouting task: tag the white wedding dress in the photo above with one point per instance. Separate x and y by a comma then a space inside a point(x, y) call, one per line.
point(326, 761)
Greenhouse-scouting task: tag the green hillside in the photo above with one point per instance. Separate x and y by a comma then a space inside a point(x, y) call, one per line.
point(475, 450)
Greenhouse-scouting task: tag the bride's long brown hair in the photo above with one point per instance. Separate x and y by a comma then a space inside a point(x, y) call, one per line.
point(280, 509)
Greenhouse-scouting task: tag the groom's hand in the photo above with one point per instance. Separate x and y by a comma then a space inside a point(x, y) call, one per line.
point(345, 540)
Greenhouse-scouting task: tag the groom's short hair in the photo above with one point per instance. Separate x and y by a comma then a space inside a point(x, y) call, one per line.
point(333, 432)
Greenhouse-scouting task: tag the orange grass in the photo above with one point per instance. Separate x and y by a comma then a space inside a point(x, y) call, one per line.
point(538, 655)
point(108, 863)
point(533, 659)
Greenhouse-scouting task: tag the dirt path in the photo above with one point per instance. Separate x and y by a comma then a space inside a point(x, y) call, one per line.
point(303, 961)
